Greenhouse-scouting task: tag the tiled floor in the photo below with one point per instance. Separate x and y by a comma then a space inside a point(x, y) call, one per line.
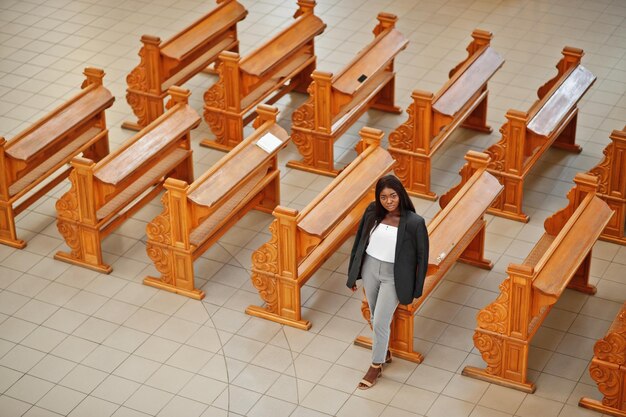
point(78, 343)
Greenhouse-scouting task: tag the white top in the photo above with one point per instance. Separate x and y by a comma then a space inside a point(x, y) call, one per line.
point(382, 244)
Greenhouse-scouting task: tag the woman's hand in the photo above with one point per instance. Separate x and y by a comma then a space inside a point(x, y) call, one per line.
point(354, 288)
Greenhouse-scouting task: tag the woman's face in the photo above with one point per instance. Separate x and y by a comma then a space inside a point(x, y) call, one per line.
point(389, 199)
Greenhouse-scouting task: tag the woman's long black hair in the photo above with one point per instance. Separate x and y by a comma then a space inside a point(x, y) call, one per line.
point(389, 181)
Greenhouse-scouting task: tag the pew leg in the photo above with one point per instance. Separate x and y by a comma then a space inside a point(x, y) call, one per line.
point(282, 300)
point(414, 172)
point(317, 150)
point(507, 361)
point(567, 138)
point(85, 243)
point(147, 107)
point(184, 171)
point(477, 119)
point(386, 99)
point(8, 234)
point(271, 196)
point(615, 230)
point(475, 251)
point(98, 150)
point(227, 128)
point(580, 280)
point(303, 79)
point(176, 267)
point(509, 203)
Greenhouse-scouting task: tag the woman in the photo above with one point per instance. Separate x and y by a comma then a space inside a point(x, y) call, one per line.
point(390, 253)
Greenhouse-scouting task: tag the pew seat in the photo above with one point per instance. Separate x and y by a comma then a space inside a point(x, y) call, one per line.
point(29, 163)
point(175, 61)
point(104, 194)
point(336, 102)
point(456, 233)
point(196, 215)
point(560, 259)
point(462, 101)
point(302, 241)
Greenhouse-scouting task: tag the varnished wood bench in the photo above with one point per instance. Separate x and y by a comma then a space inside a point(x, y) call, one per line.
point(551, 121)
point(34, 155)
point(457, 232)
point(104, 194)
point(336, 102)
point(195, 216)
point(608, 369)
point(302, 242)
point(462, 101)
point(611, 173)
point(282, 64)
point(560, 259)
point(175, 61)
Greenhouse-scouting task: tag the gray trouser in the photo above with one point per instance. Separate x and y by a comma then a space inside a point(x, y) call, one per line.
point(380, 290)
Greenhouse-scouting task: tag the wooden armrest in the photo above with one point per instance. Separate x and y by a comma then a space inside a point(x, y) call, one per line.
point(239, 164)
point(466, 82)
point(571, 246)
point(280, 47)
point(57, 124)
point(369, 61)
point(209, 26)
point(452, 223)
point(345, 191)
point(562, 99)
point(146, 144)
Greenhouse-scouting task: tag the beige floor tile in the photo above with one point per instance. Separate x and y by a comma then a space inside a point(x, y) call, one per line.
point(502, 399)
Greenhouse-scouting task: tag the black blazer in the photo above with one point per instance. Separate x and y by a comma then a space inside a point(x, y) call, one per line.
point(411, 260)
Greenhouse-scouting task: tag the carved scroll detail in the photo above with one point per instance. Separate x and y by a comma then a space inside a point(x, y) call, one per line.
point(603, 169)
point(158, 230)
point(402, 168)
point(215, 96)
point(491, 351)
point(497, 151)
point(69, 231)
point(67, 205)
point(304, 143)
point(608, 381)
point(265, 260)
point(304, 116)
point(494, 316)
point(138, 80)
point(402, 137)
point(162, 259)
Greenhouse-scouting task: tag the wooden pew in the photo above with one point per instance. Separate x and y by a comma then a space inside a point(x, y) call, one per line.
point(608, 369)
point(302, 241)
point(34, 155)
point(282, 64)
point(456, 233)
point(462, 101)
point(174, 62)
point(106, 193)
point(336, 102)
point(560, 259)
point(551, 121)
point(611, 173)
point(195, 216)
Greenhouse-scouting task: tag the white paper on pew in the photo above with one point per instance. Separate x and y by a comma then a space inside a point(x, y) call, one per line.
point(269, 142)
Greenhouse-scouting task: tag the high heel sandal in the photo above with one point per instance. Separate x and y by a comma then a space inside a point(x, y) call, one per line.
point(371, 376)
point(388, 357)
